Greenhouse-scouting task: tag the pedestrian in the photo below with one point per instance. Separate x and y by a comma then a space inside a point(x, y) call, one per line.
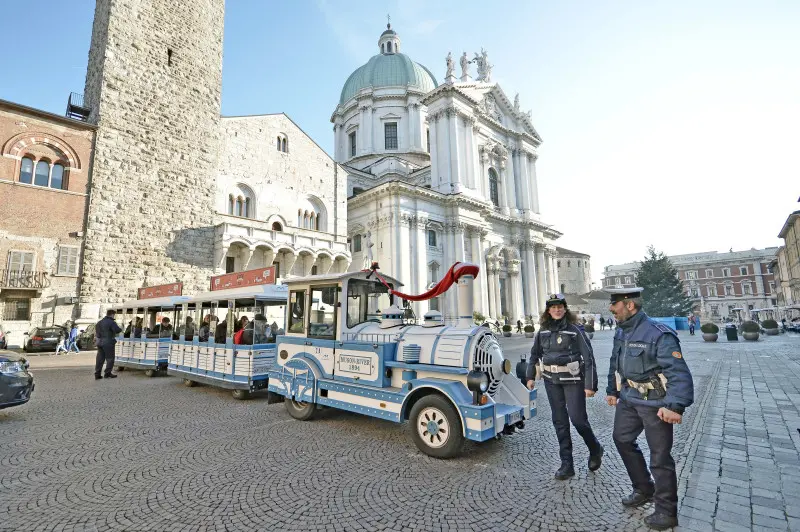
point(562, 353)
point(651, 387)
point(602, 323)
point(610, 323)
point(519, 326)
point(72, 341)
point(106, 332)
point(691, 325)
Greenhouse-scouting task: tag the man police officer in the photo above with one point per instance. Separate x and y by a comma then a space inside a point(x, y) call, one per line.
point(651, 386)
point(105, 333)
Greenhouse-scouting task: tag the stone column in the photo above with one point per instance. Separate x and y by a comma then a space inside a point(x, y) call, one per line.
point(541, 275)
point(524, 178)
point(502, 189)
point(517, 311)
point(532, 301)
point(483, 179)
point(269, 257)
point(453, 174)
point(421, 254)
point(490, 289)
point(432, 118)
point(507, 181)
point(288, 263)
point(551, 277)
point(498, 298)
point(534, 185)
point(481, 296)
point(363, 130)
point(469, 154)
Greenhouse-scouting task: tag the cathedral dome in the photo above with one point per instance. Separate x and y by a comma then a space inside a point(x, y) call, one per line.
point(389, 68)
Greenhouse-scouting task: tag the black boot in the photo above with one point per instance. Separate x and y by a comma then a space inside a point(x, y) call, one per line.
point(596, 460)
point(636, 498)
point(661, 521)
point(565, 471)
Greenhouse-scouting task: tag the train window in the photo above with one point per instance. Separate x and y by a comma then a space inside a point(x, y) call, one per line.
point(365, 300)
point(297, 305)
point(322, 319)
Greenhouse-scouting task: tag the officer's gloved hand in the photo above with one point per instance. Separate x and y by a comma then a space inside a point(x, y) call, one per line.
point(531, 384)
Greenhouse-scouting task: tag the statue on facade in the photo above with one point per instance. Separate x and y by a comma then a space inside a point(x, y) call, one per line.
point(516, 103)
point(484, 68)
point(450, 66)
point(464, 67)
point(368, 255)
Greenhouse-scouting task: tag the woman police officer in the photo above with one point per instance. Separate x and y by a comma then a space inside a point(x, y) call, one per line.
point(562, 353)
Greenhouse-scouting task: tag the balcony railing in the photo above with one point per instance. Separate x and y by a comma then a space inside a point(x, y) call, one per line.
point(23, 279)
point(76, 108)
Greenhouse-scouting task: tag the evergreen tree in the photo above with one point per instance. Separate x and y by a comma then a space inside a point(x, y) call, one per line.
point(663, 292)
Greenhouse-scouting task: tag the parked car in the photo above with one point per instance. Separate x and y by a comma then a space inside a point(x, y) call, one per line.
point(86, 338)
point(43, 338)
point(16, 383)
point(3, 338)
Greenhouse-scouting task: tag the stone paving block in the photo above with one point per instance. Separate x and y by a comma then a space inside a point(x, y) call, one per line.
point(764, 521)
point(769, 512)
point(727, 526)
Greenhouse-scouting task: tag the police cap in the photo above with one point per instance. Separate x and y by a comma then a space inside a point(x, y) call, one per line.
point(621, 294)
point(555, 299)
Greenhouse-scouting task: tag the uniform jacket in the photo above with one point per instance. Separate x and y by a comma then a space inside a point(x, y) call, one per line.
point(643, 348)
point(105, 331)
point(574, 346)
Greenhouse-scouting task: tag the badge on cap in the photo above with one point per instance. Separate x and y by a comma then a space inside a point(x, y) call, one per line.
point(559, 340)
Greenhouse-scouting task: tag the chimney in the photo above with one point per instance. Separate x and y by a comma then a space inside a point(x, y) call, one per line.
point(465, 301)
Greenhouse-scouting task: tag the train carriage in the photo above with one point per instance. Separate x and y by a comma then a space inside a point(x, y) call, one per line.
point(146, 338)
point(212, 351)
point(347, 346)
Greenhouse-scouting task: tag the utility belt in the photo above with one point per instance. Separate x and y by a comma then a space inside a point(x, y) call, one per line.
point(653, 388)
point(557, 374)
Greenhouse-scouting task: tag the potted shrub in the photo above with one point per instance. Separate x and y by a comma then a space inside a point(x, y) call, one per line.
point(589, 329)
point(506, 330)
point(770, 327)
point(478, 318)
point(750, 330)
point(529, 330)
point(710, 331)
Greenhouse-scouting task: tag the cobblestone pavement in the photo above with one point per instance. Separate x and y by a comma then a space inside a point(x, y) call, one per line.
point(149, 454)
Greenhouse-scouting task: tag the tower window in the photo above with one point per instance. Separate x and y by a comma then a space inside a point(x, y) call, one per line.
point(169, 56)
point(428, 136)
point(389, 47)
point(431, 238)
point(352, 144)
point(390, 135)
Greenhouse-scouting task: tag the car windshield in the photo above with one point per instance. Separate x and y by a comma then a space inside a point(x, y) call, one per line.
point(365, 300)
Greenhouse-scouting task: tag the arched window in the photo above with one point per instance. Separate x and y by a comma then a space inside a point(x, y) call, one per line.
point(276, 226)
point(285, 145)
point(305, 220)
point(356, 244)
point(57, 176)
point(246, 212)
point(311, 214)
point(299, 218)
point(230, 203)
point(493, 195)
point(563, 288)
point(26, 170)
point(239, 204)
point(242, 201)
point(42, 176)
point(312, 221)
point(279, 143)
point(389, 47)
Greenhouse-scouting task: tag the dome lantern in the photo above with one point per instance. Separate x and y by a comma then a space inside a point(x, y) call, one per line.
point(389, 41)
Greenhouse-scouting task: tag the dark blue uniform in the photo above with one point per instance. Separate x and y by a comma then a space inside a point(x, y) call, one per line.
point(562, 344)
point(643, 350)
point(105, 333)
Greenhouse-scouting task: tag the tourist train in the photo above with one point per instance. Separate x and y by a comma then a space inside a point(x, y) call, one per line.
point(340, 341)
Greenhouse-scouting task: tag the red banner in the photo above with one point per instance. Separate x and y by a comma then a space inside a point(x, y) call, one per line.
point(239, 279)
point(162, 290)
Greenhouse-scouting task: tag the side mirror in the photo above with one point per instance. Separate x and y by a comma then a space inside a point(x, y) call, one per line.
point(26, 334)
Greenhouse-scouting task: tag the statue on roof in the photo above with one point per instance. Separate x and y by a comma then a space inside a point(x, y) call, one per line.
point(450, 65)
point(464, 67)
point(516, 102)
point(484, 67)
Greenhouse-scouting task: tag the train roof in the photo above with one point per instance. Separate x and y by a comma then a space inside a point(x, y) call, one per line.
point(263, 292)
point(316, 279)
point(169, 301)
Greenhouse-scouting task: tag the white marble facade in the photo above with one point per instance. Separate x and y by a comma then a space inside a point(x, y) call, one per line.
point(439, 173)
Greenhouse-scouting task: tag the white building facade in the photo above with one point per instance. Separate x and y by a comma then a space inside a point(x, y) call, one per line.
point(574, 271)
point(444, 173)
point(280, 200)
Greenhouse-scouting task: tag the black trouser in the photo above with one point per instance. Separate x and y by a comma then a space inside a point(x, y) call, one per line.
point(629, 421)
point(568, 403)
point(105, 353)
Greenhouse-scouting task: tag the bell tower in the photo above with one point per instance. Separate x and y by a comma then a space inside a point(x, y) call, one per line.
point(153, 87)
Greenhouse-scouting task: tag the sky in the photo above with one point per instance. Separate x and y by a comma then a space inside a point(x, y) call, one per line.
point(673, 124)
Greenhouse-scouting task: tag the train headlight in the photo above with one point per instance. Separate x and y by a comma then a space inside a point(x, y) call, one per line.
point(477, 381)
point(507, 366)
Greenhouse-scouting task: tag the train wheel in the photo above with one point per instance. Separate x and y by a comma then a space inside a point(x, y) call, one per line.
point(435, 427)
point(189, 383)
point(151, 372)
point(120, 368)
point(241, 395)
point(299, 409)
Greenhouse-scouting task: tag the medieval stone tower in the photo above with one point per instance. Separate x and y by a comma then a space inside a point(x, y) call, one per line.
point(154, 83)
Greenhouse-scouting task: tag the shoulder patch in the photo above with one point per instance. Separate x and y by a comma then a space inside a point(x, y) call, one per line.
point(544, 332)
point(677, 354)
point(569, 333)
